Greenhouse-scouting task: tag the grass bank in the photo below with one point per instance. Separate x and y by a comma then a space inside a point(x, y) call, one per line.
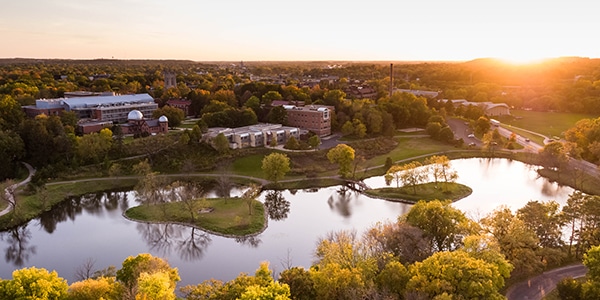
point(427, 191)
point(228, 216)
point(29, 206)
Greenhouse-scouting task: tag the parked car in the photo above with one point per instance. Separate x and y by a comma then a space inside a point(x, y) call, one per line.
point(471, 135)
point(472, 145)
point(528, 140)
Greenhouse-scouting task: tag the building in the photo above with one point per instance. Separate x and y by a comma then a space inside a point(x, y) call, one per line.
point(181, 104)
point(258, 135)
point(489, 108)
point(361, 92)
point(113, 108)
point(170, 80)
point(138, 125)
point(315, 118)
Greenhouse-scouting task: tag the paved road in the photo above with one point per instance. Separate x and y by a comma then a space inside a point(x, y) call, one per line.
point(537, 287)
point(16, 185)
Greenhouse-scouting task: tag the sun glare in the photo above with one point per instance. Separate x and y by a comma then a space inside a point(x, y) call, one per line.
point(522, 59)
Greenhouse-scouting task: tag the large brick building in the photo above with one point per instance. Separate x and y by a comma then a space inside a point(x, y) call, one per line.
point(315, 118)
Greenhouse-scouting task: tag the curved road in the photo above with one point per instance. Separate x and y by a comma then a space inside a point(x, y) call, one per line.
point(15, 186)
point(539, 286)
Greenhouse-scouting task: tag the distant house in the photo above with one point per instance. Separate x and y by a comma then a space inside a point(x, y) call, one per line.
point(258, 135)
point(361, 92)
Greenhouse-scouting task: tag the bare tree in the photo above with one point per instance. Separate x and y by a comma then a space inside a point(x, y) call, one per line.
point(85, 270)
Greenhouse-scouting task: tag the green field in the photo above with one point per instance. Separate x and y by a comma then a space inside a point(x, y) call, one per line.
point(547, 123)
point(427, 191)
point(229, 215)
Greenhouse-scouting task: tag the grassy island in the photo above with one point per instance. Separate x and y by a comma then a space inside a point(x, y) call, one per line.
point(222, 216)
point(427, 191)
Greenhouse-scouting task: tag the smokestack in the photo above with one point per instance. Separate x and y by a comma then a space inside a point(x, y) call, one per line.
point(391, 79)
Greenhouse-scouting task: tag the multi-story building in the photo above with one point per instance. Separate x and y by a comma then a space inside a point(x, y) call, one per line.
point(113, 108)
point(315, 118)
point(258, 135)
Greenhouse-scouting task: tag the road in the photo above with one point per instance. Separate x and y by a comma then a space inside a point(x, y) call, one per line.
point(537, 287)
point(462, 131)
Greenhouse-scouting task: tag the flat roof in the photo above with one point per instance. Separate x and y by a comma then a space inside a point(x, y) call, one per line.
point(83, 102)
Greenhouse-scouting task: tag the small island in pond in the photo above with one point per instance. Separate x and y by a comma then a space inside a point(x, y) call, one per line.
point(426, 191)
point(223, 216)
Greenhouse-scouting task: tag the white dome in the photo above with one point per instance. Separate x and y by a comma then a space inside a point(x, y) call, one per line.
point(163, 118)
point(135, 115)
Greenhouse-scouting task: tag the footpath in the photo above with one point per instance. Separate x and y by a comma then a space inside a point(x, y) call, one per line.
point(8, 191)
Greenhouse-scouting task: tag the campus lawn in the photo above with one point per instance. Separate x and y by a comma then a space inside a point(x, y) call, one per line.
point(411, 147)
point(547, 123)
point(250, 165)
point(230, 216)
point(426, 191)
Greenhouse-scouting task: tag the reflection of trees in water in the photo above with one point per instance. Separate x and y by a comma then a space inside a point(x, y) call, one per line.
point(550, 189)
point(223, 187)
point(190, 243)
point(277, 206)
point(94, 204)
point(193, 246)
point(18, 250)
point(341, 202)
point(252, 241)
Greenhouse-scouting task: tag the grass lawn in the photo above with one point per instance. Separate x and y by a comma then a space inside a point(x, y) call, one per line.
point(547, 123)
point(250, 165)
point(230, 216)
point(411, 147)
point(426, 191)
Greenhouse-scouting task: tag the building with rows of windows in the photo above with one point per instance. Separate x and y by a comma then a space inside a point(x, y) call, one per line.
point(258, 135)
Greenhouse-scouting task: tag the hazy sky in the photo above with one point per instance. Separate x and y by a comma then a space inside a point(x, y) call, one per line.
point(210, 30)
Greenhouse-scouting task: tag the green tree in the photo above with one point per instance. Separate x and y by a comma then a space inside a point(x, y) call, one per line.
point(545, 219)
point(253, 103)
point(292, 144)
point(11, 113)
point(343, 155)
point(173, 114)
point(433, 129)
point(277, 115)
point(347, 128)
point(220, 143)
point(12, 150)
point(360, 130)
point(411, 174)
point(516, 241)
point(442, 224)
point(34, 283)
point(271, 96)
point(554, 156)
point(314, 142)
point(440, 168)
point(482, 125)
point(94, 147)
point(275, 166)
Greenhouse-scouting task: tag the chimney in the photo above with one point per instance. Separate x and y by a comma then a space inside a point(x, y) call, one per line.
point(391, 79)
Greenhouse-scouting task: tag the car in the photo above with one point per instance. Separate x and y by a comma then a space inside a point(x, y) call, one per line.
point(472, 145)
point(528, 140)
point(471, 135)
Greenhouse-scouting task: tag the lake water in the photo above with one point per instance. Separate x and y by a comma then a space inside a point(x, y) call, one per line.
point(93, 227)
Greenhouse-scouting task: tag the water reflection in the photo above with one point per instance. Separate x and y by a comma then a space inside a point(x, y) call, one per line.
point(189, 243)
point(94, 204)
point(276, 205)
point(252, 241)
point(340, 201)
point(18, 249)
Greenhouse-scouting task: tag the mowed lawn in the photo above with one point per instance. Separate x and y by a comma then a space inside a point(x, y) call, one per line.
point(547, 123)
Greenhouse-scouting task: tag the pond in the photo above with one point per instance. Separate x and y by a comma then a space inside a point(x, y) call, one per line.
point(93, 228)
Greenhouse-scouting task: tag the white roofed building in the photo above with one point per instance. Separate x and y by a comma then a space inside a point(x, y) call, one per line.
point(258, 135)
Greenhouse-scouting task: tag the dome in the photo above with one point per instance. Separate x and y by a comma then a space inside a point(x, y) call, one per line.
point(163, 118)
point(135, 115)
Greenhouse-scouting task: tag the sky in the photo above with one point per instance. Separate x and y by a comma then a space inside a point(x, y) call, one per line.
point(308, 30)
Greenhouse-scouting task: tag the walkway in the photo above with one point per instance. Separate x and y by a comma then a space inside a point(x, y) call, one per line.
point(15, 186)
point(537, 287)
